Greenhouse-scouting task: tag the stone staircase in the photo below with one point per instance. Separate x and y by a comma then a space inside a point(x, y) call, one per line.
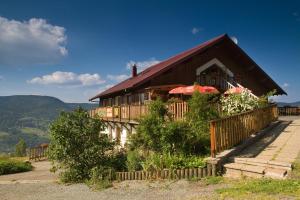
point(264, 158)
point(257, 168)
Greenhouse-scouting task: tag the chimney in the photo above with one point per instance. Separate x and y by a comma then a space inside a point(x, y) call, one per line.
point(133, 70)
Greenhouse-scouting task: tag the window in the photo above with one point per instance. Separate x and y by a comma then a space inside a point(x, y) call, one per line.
point(129, 99)
point(146, 95)
point(142, 98)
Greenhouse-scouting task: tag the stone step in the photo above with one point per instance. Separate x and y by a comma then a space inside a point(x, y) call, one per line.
point(238, 170)
point(264, 163)
point(275, 173)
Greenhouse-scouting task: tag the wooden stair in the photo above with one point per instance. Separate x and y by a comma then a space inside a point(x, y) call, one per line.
point(256, 168)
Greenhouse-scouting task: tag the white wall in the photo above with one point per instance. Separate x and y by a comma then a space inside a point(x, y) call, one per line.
point(123, 136)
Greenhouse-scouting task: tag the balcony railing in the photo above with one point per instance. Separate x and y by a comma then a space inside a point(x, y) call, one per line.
point(134, 112)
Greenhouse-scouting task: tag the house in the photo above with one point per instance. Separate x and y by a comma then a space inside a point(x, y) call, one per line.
point(218, 62)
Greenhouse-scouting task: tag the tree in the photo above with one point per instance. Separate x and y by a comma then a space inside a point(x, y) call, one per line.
point(77, 146)
point(151, 128)
point(21, 148)
point(202, 109)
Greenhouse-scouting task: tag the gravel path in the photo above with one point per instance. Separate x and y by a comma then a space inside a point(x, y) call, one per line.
point(40, 184)
point(40, 173)
point(133, 190)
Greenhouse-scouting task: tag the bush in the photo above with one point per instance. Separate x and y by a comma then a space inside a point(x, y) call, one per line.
point(77, 146)
point(168, 161)
point(10, 166)
point(118, 161)
point(157, 132)
point(133, 161)
point(21, 148)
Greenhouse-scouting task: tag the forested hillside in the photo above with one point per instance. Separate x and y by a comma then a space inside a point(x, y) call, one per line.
point(28, 117)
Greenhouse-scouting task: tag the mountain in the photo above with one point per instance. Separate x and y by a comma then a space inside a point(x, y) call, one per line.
point(281, 104)
point(28, 117)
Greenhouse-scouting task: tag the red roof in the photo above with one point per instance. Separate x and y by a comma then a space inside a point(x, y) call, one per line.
point(159, 68)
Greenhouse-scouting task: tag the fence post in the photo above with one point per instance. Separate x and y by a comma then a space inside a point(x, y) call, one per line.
point(213, 139)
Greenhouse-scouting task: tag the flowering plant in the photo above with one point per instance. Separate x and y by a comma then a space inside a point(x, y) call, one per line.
point(237, 103)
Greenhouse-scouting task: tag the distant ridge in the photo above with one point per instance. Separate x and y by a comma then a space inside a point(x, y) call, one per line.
point(28, 117)
point(297, 103)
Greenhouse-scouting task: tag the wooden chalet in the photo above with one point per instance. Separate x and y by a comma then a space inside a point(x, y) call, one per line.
point(218, 62)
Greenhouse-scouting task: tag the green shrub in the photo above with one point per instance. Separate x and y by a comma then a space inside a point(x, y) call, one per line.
point(167, 161)
point(101, 177)
point(10, 166)
point(77, 146)
point(157, 132)
point(176, 138)
point(133, 161)
point(118, 161)
point(21, 148)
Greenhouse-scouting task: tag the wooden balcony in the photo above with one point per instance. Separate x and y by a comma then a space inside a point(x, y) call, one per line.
point(131, 113)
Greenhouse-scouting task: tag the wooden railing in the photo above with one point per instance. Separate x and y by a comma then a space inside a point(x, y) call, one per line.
point(178, 110)
point(285, 111)
point(230, 131)
point(38, 153)
point(134, 112)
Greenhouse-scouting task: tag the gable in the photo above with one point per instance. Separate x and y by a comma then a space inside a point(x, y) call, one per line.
point(229, 51)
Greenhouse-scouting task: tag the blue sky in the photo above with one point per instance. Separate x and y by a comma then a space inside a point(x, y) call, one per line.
point(74, 49)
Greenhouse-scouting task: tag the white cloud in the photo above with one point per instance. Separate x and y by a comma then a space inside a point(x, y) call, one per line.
point(68, 78)
point(31, 42)
point(118, 78)
point(285, 85)
point(142, 65)
point(195, 30)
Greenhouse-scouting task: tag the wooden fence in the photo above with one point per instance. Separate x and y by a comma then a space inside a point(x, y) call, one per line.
point(286, 111)
point(178, 110)
point(209, 170)
point(38, 153)
point(230, 131)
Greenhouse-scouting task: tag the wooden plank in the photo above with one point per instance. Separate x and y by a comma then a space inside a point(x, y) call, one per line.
point(213, 139)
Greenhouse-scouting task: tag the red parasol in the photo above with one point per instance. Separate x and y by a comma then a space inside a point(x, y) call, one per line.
point(177, 90)
point(189, 90)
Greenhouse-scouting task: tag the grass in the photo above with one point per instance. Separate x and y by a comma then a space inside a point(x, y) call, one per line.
point(263, 188)
point(11, 165)
point(213, 180)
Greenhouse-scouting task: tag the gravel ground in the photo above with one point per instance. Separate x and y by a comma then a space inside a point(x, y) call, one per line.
point(40, 173)
point(40, 184)
point(133, 190)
